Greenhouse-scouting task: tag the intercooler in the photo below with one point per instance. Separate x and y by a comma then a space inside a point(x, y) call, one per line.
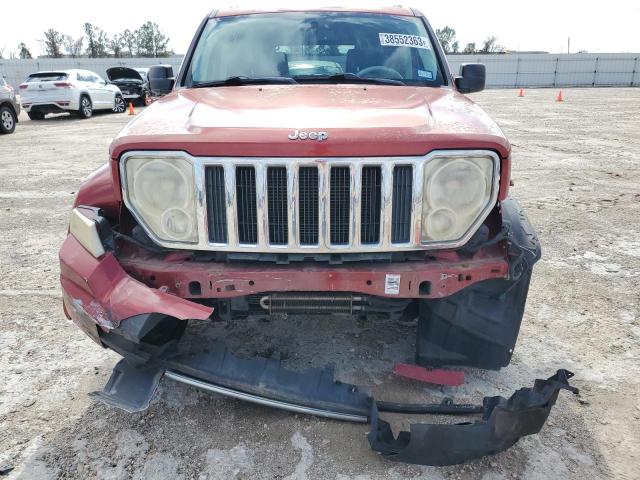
point(311, 303)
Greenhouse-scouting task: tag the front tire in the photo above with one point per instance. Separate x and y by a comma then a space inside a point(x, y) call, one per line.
point(86, 107)
point(119, 105)
point(7, 120)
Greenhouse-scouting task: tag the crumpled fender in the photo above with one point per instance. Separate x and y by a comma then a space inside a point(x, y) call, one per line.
point(102, 288)
point(503, 423)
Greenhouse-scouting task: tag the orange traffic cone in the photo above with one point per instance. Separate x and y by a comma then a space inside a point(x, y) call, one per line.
point(521, 94)
point(131, 112)
point(559, 97)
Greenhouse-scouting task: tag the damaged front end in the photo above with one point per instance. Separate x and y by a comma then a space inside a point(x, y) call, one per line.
point(266, 381)
point(136, 303)
point(503, 423)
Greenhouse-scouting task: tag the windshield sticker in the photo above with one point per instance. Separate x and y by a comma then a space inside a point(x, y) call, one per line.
point(425, 74)
point(401, 40)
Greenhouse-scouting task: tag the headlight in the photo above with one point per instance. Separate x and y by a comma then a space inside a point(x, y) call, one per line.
point(457, 190)
point(161, 192)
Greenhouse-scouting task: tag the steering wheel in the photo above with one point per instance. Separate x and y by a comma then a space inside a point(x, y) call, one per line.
point(380, 71)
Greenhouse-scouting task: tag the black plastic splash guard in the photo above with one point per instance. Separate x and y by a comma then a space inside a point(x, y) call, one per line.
point(503, 423)
point(264, 380)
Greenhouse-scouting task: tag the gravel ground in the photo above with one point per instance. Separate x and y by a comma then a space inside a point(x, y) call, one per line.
point(577, 172)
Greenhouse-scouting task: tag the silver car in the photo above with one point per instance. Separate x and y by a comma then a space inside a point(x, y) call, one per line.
point(9, 107)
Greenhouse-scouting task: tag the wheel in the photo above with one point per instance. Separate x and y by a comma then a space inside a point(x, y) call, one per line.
point(142, 101)
point(7, 120)
point(118, 104)
point(86, 108)
point(36, 115)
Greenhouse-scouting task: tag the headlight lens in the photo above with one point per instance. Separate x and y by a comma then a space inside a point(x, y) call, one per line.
point(162, 192)
point(457, 190)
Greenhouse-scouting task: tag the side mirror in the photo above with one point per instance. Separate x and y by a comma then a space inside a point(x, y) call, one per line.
point(161, 80)
point(473, 77)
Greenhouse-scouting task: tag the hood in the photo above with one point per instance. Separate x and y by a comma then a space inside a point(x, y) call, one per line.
point(121, 73)
point(359, 120)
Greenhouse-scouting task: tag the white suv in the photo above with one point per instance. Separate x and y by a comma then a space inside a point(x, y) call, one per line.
point(79, 91)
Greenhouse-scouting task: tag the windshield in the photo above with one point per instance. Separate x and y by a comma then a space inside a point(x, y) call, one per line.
point(313, 46)
point(47, 77)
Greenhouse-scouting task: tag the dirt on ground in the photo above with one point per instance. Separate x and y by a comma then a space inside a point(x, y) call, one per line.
point(576, 168)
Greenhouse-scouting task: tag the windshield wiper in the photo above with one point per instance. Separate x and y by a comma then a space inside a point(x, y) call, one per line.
point(242, 80)
point(349, 78)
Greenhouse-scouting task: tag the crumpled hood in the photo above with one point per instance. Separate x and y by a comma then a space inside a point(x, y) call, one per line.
point(360, 120)
point(123, 73)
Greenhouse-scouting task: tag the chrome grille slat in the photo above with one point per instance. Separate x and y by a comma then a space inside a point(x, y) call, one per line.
point(230, 182)
point(262, 219)
point(387, 205)
point(262, 216)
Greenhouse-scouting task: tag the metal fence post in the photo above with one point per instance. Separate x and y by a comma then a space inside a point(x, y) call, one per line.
point(635, 70)
point(555, 73)
point(595, 73)
point(517, 72)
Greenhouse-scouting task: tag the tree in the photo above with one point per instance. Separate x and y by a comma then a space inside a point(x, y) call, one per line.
point(150, 41)
point(1, 52)
point(52, 43)
point(23, 51)
point(491, 46)
point(447, 37)
point(470, 48)
point(96, 41)
point(116, 45)
point(129, 42)
point(455, 47)
point(72, 46)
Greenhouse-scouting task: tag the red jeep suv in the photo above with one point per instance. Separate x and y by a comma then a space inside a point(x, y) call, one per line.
point(305, 162)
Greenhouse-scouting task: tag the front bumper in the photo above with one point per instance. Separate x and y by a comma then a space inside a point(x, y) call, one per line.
point(266, 382)
point(102, 292)
point(133, 303)
point(99, 294)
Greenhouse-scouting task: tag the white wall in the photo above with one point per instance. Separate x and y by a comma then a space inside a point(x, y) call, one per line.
point(559, 70)
point(15, 71)
point(503, 71)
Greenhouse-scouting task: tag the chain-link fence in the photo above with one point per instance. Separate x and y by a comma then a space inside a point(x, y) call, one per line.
point(503, 71)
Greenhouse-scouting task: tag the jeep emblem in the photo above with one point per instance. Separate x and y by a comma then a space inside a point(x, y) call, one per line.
point(298, 135)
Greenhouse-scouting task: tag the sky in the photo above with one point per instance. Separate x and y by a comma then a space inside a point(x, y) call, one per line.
point(610, 26)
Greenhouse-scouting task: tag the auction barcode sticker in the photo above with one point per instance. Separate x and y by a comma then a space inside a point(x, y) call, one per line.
point(401, 40)
point(392, 284)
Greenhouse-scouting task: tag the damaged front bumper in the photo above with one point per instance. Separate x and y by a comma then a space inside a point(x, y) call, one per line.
point(503, 423)
point(114, 301)
point(266, 382)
